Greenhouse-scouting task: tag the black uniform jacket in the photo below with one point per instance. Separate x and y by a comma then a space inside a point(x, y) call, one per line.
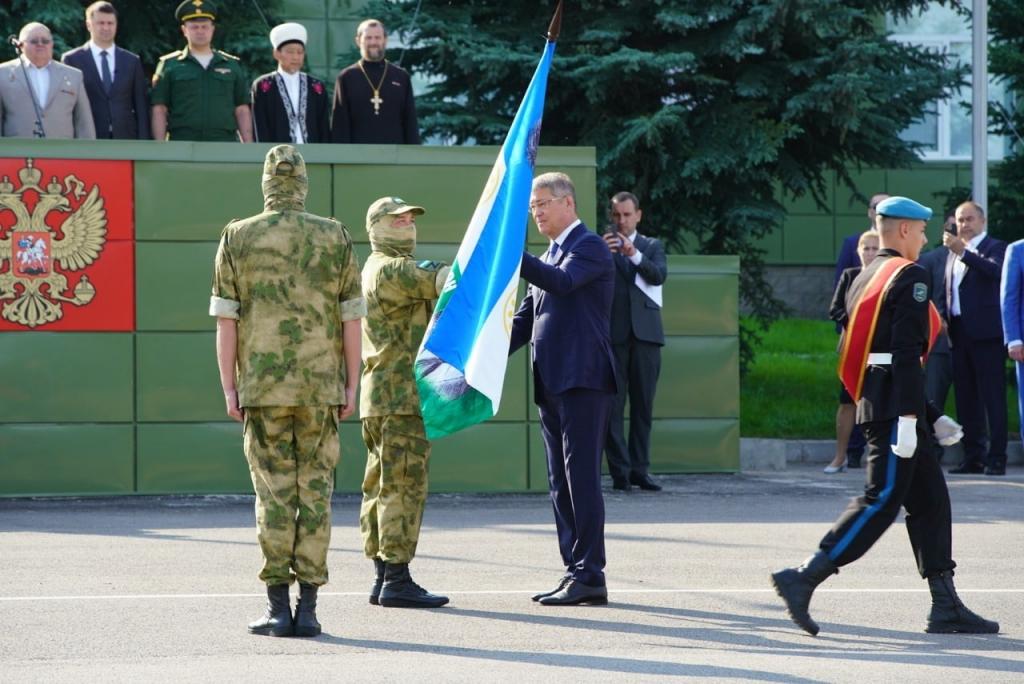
point(896, 389)
point(270, 119)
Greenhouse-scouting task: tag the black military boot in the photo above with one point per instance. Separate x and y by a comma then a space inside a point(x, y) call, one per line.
point(306, 624)
point(378, 582)
point(796, 585)
point(278, 620)
point(949, 615)
point(399, 591)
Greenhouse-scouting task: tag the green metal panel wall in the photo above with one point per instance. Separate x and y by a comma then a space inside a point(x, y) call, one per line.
point(811, 236)
point(92, 413)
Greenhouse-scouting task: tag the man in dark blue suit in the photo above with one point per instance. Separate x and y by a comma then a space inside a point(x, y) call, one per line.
point(113, 77)
point(973, 270)
point(565, 317)
point(637, 339)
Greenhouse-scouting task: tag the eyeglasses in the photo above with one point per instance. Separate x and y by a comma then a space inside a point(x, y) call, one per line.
point(39, 41)
point(542, 204)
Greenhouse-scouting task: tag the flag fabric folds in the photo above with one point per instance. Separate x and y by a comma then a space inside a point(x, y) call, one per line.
point(460, 368)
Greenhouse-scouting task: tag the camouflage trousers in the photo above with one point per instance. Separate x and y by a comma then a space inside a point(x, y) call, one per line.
point(394, 486)
point(292, 452)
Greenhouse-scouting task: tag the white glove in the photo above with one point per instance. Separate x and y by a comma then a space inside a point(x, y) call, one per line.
point(947, 431)
point(906, 437)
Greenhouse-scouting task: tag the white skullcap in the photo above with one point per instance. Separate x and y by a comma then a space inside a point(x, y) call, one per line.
point(284, 33)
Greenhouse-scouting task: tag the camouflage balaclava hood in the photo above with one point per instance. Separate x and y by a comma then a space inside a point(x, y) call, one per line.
point(384, 237)
point(284, 179)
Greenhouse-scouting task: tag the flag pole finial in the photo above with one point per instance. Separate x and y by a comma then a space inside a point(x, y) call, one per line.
point(556, 24)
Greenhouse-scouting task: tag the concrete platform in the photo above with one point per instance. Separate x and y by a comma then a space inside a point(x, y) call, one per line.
point(778, 454)
point(160, 589)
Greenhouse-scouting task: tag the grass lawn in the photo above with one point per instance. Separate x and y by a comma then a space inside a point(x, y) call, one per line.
point(792, 389)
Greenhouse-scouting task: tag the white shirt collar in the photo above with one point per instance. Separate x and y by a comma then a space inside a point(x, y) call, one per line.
point(289, 77)
point(30, 65)
point(976, 240)
point(565, 233)
point(96, 49)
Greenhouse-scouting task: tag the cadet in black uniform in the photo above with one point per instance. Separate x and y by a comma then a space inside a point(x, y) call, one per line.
point(902, 469)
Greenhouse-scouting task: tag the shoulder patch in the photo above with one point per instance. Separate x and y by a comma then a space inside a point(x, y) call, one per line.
point(920, 292)
point(171, 55)
point(228, 55)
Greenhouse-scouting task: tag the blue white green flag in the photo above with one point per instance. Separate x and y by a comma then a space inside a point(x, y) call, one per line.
point(460, 368)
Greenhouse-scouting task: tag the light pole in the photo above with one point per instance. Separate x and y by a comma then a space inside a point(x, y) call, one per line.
point(979, 103)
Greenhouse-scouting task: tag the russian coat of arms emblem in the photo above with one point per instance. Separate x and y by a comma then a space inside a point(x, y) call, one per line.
point(36, 256)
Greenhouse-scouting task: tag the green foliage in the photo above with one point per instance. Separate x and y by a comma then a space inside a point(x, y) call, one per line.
point(1006, 60)
point(703, 108)
point(149, 28)
point(793, 390)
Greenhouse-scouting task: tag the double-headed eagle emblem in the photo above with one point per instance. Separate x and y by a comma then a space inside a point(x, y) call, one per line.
point(32, 291)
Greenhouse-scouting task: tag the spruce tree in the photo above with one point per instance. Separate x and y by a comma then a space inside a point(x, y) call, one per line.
point(712, 111)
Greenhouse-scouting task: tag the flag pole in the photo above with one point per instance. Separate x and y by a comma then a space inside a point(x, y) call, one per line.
point(556, 24)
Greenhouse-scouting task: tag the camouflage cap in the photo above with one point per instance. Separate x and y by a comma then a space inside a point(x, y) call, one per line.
point(284, 160)
point(388, 206)
point(284, 174)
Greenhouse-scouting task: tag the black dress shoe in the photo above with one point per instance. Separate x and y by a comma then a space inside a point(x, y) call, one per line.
point(620, 484)
point(995, 470)
point(645, 483)
point(561, 585)
point(967, 468)
point(577, 593)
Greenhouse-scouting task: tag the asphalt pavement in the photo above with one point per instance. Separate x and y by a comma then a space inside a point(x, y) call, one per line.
point(154, 589)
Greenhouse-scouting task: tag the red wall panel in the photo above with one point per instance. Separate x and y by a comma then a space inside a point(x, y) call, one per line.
point(81, 276)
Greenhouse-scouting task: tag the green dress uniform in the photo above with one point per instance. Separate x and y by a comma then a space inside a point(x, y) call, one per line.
point(200, 102)
point(290, 279)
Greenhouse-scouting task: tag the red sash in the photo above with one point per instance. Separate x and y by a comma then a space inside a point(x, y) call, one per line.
point(859, 332)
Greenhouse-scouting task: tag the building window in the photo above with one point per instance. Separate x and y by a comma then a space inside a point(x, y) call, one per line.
point(944, 131)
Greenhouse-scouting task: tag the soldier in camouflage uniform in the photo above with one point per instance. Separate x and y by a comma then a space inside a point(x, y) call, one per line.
point(288, 303)
point(400, 296)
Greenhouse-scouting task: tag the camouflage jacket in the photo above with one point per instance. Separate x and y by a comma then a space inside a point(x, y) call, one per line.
point(400, 296)
point(290, 278)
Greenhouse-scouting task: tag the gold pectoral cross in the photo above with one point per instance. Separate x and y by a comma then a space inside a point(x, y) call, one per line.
point(376, 101)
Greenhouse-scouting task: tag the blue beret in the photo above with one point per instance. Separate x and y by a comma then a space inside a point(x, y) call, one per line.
point(903, 207)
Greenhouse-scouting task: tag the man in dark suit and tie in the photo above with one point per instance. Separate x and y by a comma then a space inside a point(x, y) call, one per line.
point(114, 80)
point(973, 270)
point(637, 339)
point(565, 317)
point(938, 374)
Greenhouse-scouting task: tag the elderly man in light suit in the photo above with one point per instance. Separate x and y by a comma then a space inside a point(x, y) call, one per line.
point(57, 89)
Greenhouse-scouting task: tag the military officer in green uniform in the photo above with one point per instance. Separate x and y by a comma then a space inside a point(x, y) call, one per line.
point(200, 93)
point(288, 304)
point(400, 295)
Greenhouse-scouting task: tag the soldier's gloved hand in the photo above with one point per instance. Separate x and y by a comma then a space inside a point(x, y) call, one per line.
point(906, 437)
point(947, 431)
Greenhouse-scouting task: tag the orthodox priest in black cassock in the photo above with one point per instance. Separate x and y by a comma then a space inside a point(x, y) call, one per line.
point(289, 106)
point(373, 100)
